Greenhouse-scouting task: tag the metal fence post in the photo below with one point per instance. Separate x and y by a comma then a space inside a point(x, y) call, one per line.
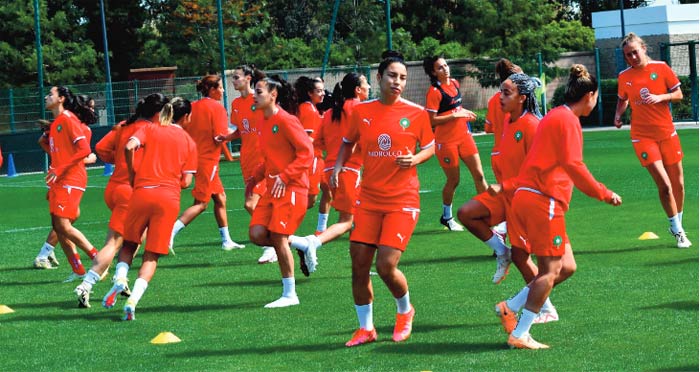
point(693, 78)
point(12, 111)
point(600, 92)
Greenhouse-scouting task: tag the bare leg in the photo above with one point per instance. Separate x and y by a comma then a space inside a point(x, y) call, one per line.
point(362, 256)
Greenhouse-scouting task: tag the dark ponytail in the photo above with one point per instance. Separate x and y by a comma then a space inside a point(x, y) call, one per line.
point(286, 97)
point(429, 68)
point(77, 105)
point(343, 91)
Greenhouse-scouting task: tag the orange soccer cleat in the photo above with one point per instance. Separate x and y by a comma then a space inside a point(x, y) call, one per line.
point(362, 336)
point(507, 316)
point(404, 325)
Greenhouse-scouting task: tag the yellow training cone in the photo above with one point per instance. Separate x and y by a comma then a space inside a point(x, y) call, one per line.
point(4, 309)
point(648, 236)
point(165, 338)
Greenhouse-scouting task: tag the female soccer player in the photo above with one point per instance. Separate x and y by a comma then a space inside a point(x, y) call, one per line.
point(341, 187)
point(169, 159)
point(287, 154)
point(209, 122)
point(650, 86)
point(387, 131)
point(452, 137)
point(543, 191)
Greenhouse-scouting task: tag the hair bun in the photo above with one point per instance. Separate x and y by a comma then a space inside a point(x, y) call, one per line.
point(392, 54)
point(579, 71)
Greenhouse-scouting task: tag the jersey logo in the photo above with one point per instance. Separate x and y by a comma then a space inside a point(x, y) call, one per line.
point(367, 121)
point(518, 136)
point(253, 108)
point(628, 83)
point(447, 160)
point(59, 128)
point(284, 224)
point(275, 128)
point(654, 76)
point(246, 125)
point(645, 155)
point(557, 241)
point(384, 142)
point(404, 123)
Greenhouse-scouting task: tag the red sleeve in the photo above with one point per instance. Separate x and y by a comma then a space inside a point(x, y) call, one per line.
point(220, 121)
point(304, 152)
point(671, 79)
point(352, 133)
point(320, 140)
point(432, 99)
point(190, 165)
point(107, 145)
point(427, 138)
point(491, 114)
point(571, 159)
point(81, 145)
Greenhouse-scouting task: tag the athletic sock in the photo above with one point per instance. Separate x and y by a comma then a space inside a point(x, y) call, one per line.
point(447, 211)
point(517, 302)
point(45, 251)
point(223, 231)
point(177, 227)
point(526, 319)
point(496, 243)
point(322, 222)
point(77, 265)
point(675, 224)
point(121, 270)
point(501, 228)
point(289, 287)
point(680, 217)
point(140, 286)
point(403, 304)
point(365, 317)
point(90, 279)
point(547, 306)
point(92, 253)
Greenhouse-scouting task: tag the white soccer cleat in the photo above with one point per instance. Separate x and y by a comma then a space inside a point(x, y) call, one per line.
point(52, 258)
point(502, 264)
point(546, 316)
point(43, 264)
point(681, 239)
point(283, 302)
point(268, 256)
point(451, 224)
point(83, 296)
point(129, 310)
point(73, 277)
point(230, 245)
point(110, 298)
point(310, 254)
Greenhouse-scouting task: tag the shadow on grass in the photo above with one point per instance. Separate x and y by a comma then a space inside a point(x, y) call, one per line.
point(692, 367)
point(74, 314)
point(19, 268)
point(424, 348)
point(677, 305)
point(31, 283)
point(260, 350)
point(623, 250)
point(203, 307)
point(417, 329)
point(447, 260)
point(680, 261)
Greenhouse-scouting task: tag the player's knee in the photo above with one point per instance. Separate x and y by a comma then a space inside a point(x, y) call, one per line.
point(258, 235)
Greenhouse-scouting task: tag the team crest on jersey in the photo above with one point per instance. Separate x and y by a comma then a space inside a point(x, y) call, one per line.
point(645, 155)
point(384, 142)
point(246, 125)
point(654, 76)
point(275, 128)
point(59, 128)
point(557, 241)
point(518, 136)
point(404, 123)
point(447, 160)
point(253, 108)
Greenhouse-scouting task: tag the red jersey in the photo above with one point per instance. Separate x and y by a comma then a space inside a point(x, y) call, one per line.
point(209, 119)
point(516, 142)
point(454, 130)
point(554, 163)
point(247, 119)
point(648, 121)
point(330, 136)
point(69, 144)
point(111, 149)
point(0, 157)
point(168, 153)
point(494, 119)
point(383, 133)
point(287, 151)
point(310, 119)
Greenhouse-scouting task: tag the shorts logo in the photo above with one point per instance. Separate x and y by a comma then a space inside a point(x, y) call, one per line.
point(275, 128)
point(404, 123)
point(653, 76)
point(557, 241)
point(518, 136)
point(401, 237)
point(645, 155)
point(447, 160)
point(246, 125)
point(59, 128)
point(384, 142)
point(253, 108)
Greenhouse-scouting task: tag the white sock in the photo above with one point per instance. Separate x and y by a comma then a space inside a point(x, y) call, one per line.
point(365, 317)
point(315, 241)
point(501, 228)
point(45, 251)
point(447, 211)
point(322, 222)
point(680, 218)
point(225, 236)
point(90, 279)
point(547, 306)
point(177, 227)
point(675, 224)
point(517, 302)
point(403, 304)
point(298, 242)
point(140, 286)
point(121, 270)
point(524, 324)
point(289, 287)
point(496, 243)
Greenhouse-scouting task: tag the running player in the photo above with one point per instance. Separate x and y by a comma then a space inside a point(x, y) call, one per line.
point(209, 122)
point(288, 153)
point(169, 159)
point(650, 86)
point(388, 205)
point(543, 191)
point(453, 140)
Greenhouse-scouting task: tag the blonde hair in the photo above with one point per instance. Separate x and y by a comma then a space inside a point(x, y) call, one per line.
point(580, 83)
point(632, 37)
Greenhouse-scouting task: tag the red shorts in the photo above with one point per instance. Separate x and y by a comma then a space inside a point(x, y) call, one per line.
point(207, 181)
point(495, 156)
point(449, 154)
point(64, 201)
point(538, 224)
point(315, 175)
point(117, 196)
point(282, 215)
point(345, 195)
point(497, 206)
point(156, 209)
point(667, 150)
point(391, 229)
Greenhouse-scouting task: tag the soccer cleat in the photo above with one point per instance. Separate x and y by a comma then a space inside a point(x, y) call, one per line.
point(318, 232)
point(546, 316)
point(230, 245)
point(126, 292)
point(507, 316)
point(310, 255)
point(129, 310)
point(73, 277)
point(83, 296)
point(404, 325)
point(43, 264)
point(52, 259)
point(362, 336)
point(681, 239)
point(302, 262)
point(110, 298)
point(502, 265)
point(268, 256)
point(451, 224)
point(525, 342)
point(283, 302)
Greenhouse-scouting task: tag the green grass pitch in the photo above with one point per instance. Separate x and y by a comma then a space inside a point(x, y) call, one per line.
point(632, 305)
